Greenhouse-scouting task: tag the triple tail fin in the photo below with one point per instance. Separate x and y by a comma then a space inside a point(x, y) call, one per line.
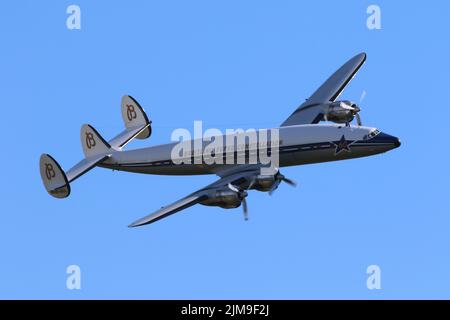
point(96, 149)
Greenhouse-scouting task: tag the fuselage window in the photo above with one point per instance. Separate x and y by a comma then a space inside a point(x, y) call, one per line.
point(372, 134)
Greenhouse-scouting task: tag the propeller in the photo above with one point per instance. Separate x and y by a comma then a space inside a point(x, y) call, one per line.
point(252, 183)
point(358, 119)
point(357, 109)
point(363, 95)
point(242, 194)
point(288, 181)
point(245, 208)
point(281, 178)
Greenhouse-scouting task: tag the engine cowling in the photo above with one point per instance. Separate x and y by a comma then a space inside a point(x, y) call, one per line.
point(225, 199)
point(341, 111)
point(263, 182)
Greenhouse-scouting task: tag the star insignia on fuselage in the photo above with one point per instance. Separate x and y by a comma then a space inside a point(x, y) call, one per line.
point(342, 145)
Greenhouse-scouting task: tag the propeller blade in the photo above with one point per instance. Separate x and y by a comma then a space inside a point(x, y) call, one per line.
point(251, 183)
point(358, 119)
point(363, 95)
point(245, 208)
point(275, 186)
point(289, 182)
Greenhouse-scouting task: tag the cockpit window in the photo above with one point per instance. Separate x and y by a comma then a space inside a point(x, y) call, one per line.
point(372, 134)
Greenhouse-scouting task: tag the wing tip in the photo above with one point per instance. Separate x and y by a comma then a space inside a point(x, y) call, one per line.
point(361, 56)
point(135, 224)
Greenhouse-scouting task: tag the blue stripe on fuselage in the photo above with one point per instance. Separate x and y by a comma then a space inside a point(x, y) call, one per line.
point(379, 140)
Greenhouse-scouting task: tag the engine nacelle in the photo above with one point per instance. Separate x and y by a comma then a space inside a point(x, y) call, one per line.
point(264, 183)
point(341, 111)
point(223, 198)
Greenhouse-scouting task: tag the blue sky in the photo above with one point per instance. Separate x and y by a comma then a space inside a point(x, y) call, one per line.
point(230, 64)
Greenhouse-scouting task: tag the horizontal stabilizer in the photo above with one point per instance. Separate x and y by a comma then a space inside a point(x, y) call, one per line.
point(120, 141)
point(85, 165)
point(56, 181)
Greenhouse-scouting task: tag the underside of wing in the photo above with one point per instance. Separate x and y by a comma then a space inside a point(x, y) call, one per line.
point(236, 178)
point(169, 210)
point(311, 111)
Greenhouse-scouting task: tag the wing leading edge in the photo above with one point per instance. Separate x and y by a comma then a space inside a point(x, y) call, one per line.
point(237, 177)
point(179, 205)
point(311, 110)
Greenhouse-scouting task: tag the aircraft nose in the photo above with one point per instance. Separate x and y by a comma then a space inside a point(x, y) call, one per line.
point(384, 137)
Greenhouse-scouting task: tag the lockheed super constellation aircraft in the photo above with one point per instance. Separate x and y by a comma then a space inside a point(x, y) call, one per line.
point(302, 140)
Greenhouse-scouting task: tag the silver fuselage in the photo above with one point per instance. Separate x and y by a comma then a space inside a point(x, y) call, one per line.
point(298, 145)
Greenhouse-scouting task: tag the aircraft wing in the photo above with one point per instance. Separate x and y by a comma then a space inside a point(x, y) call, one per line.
point(236, 178)
point(179, 205)
point(311, 110)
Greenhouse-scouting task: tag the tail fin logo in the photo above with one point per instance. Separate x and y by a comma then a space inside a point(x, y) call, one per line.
point(49, 171)
point(90, 141)
point(131, 112)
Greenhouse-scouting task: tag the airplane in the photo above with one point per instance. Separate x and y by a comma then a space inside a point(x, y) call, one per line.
point(303, 139)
